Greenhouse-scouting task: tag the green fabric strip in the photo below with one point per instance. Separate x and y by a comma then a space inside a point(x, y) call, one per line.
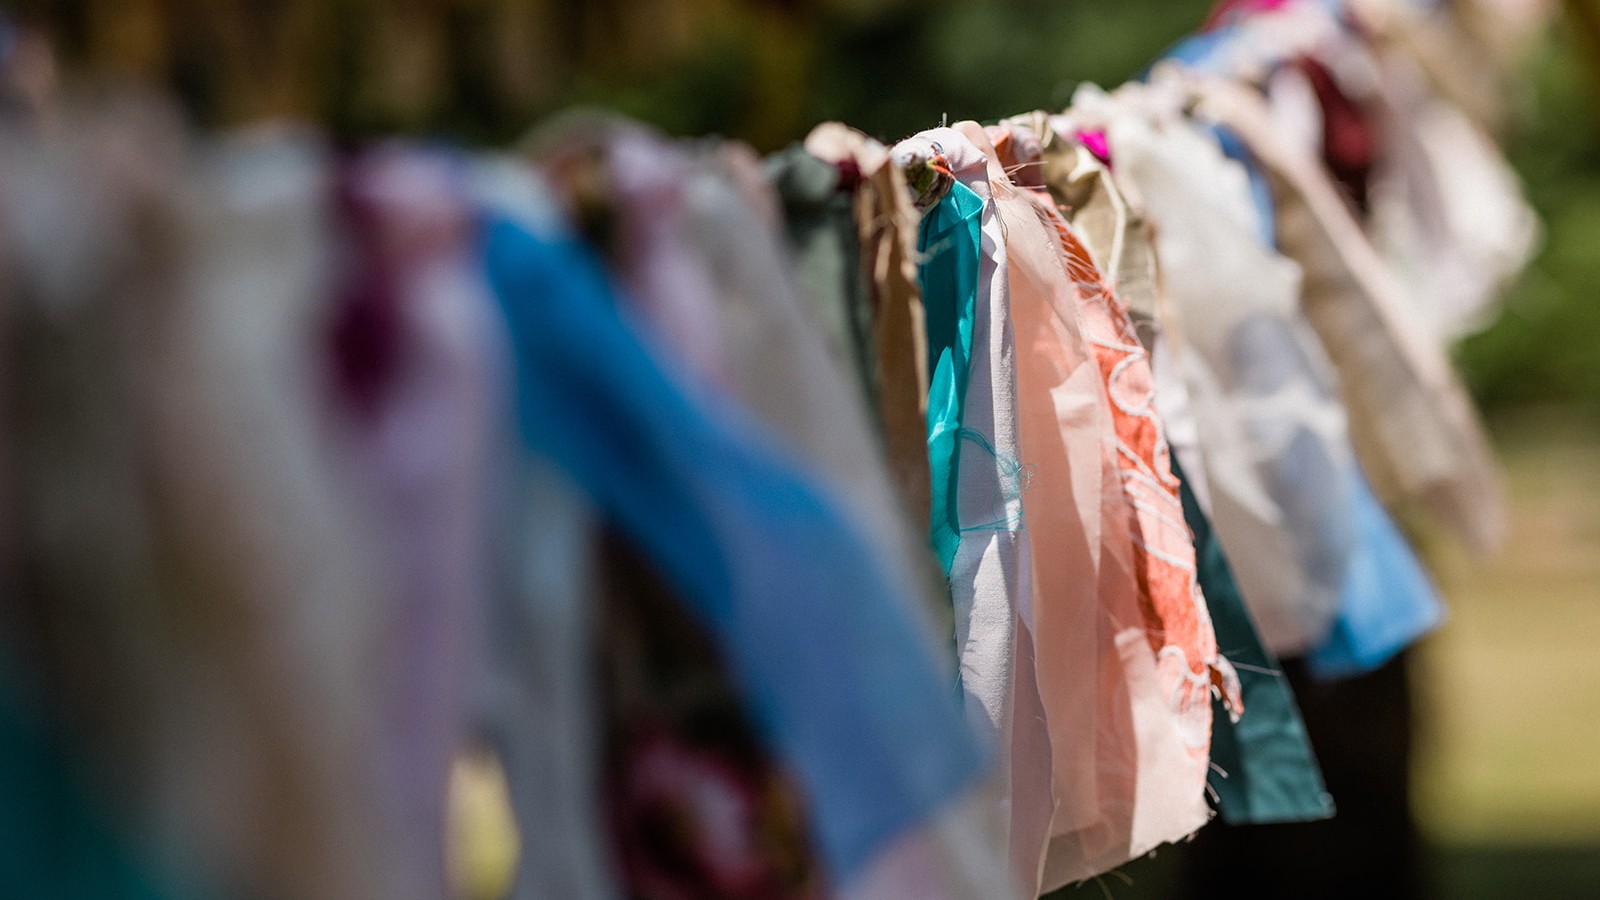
point(1268, 772)
point(53, 840)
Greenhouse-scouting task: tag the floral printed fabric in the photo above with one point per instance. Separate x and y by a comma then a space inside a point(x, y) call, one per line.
point(699, 808)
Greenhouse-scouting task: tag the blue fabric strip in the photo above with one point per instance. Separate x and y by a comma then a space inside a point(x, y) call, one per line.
point(1387, 602)
point(821, 639)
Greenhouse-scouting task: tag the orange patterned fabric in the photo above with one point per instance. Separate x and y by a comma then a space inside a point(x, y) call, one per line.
point(1114, 683)
point(1176, 619)
point(1175, 616)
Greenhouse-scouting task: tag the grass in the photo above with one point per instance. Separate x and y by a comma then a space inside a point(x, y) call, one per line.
point(1510, 750)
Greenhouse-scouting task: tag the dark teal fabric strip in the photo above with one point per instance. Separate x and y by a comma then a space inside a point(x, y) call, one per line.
point(1264, 770)
point(54, 839)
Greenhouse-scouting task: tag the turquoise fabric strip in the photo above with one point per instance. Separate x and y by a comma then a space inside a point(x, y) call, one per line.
point(949, 245)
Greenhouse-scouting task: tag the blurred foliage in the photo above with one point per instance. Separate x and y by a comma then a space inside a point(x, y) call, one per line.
point(1545, 347)
point(765, 71)
point(767, 77)
point(483, 70)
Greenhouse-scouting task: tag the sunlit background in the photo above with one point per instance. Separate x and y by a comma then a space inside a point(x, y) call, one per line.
point(1507, 774)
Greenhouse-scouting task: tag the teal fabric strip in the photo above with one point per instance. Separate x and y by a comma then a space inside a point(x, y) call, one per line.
point(948, 242)
point(54, 842)
point(1268, 772)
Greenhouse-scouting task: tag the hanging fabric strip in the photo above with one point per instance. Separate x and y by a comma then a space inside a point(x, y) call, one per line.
point(1263, 769)
point(948, 244)
point(814, 630)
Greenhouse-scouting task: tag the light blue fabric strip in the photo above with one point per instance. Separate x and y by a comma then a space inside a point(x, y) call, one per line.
point(1387, 602)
